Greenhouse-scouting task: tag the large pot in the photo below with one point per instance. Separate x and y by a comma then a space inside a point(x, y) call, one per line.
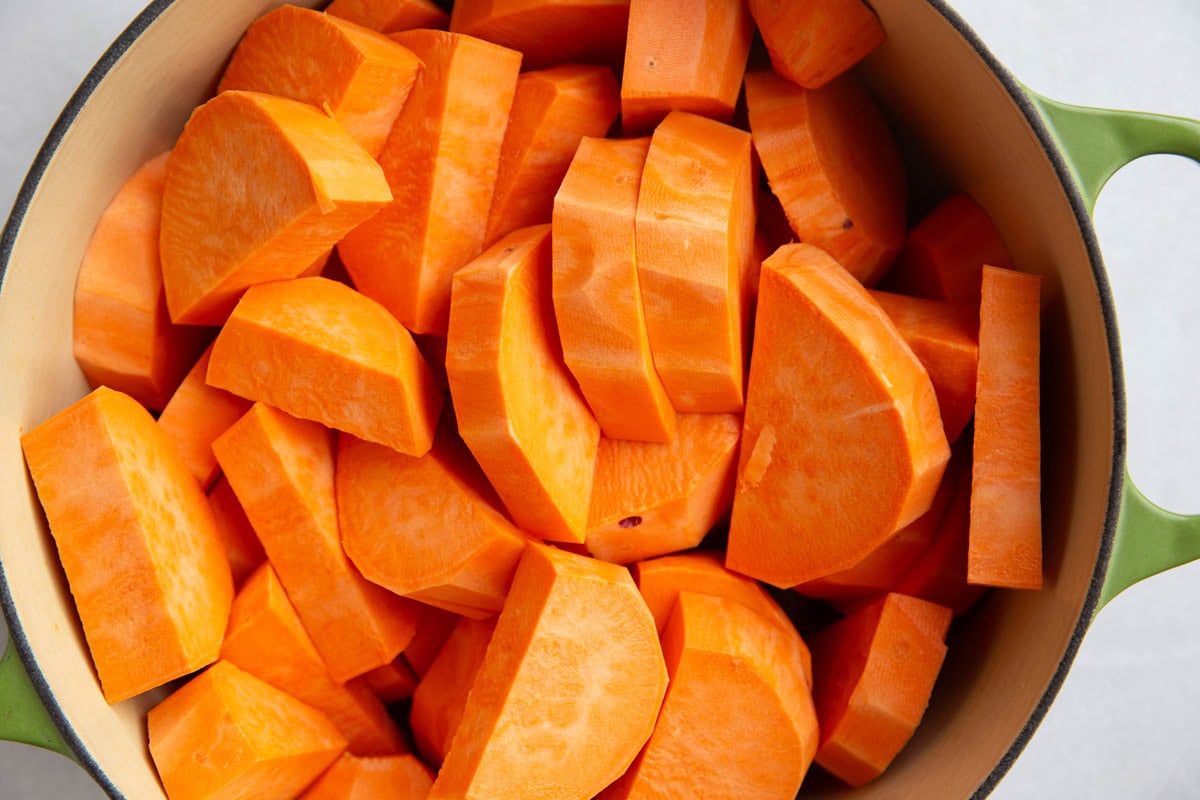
point(1034, 164)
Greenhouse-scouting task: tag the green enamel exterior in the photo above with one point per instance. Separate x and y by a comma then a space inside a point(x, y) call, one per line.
point(23, 718)
point(1096, 143)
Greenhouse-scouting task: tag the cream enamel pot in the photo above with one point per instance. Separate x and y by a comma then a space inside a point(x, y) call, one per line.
point(1035, 165)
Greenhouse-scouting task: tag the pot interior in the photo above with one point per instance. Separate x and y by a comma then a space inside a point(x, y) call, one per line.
point(960, 123)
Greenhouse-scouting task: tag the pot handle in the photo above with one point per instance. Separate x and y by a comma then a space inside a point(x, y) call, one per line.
point(23, 717)
point(1096, 143)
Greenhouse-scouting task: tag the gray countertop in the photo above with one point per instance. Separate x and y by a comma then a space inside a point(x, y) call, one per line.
point(1124, 725)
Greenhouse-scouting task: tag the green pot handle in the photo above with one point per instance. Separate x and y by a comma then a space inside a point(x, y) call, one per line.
point(23, 717)
point(1096, 143)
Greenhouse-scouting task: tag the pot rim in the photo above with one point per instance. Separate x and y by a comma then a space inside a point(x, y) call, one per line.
point(1015, 91)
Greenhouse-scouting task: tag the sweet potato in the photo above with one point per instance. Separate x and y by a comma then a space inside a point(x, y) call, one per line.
point(281, 469)
point(834, 165)
point(122, 334)
point(196, 415)
point(433, 628)
point(811, 42)
point(441, 696)
point(574, 660)
point(137, 541)
point(652, 499)
point(549, 32)
point(390, 16)
point(393, 682)
point(356, 75)
point(695, 234)
point(683, 55)
point(1006, 486)
point(597, 295)
point(519, 410)
point(873, 673)
point(401, 777)
point(429, 528)
point(266, 638)
point(441, 161)
point(226, 735)
point(242, 546)
point(321, 351)
point(873, 434)
point(257, 189)
point(552, 110)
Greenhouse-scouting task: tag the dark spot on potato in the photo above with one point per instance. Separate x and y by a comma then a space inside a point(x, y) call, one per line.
point(630, 522)
point(848, 224)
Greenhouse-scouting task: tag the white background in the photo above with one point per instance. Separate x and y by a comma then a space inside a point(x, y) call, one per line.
point(1127, 723)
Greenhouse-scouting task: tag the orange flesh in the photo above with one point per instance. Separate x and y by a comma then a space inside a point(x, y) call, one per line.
point(137, 540)
point(695, 234)
point(281, 469)
point(811, 42)
point(519, 410)
point(574, 660)
point(433, 628)
point(429, 528)
point(683, 55)
point(874, 672)
point(549, 32)
point(1006, 486)
point(357, 75)
point(321, 351)
point(390, 16)
point(266, 639)
point(392, 682)
point(227, 735)
point(122, 335)
point(441, 696)
point(832, 162)
point(441, 162)
point(196, 415)
point(842, 443)
point(652, 499)
point(552, 110)
point(597, 296)
point(242, 546)
point(257, 189)
point(738, 719)
point(401, 777)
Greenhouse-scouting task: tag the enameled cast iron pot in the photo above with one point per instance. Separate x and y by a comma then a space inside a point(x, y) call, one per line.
point(1035, 165)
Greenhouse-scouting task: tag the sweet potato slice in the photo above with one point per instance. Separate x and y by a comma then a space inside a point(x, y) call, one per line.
point(391, 16)
point(574, 661)
point(137, 541)
point(321, 351)
point(738, 718)
point(429, 528)
point(441, 696)
point(123, 337)
point(873, 673)
point(873, 435)
point(552, 110)
point(597, 296)
point(358, 76)
point(945, 337)
point(944, 253)
point(652, 499)
point(834, 165)
point(811, 42)
point(281, 469)
point(267, 639)
point(1006, 484)
point(393, 682)
point(519, 410)
point(401, 777)
point(242, 546)
point(695, 235)
point(433, 628)
point(196, 415)
point(441, 161)
point(226, 735)
point(549, 32)
point(683, 55)
point(257, 188)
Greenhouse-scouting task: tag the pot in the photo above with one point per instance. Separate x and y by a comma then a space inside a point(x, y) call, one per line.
point(1035, 164)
